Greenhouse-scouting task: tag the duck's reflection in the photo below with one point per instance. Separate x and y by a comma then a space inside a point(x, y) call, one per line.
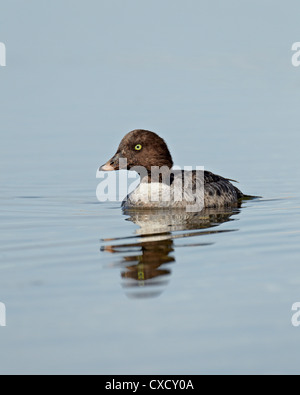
point(146, 261)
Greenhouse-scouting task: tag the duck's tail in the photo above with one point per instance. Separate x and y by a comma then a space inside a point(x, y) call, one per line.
point(250, 197)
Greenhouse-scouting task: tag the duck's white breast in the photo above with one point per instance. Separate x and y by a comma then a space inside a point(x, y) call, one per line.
point(150, 194)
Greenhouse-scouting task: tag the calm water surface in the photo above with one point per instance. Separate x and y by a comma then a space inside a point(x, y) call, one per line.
point(90, 289)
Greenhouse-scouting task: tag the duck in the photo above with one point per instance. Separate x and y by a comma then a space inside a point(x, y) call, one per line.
point(160, 185)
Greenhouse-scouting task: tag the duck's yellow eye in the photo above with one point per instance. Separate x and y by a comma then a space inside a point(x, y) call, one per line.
point(138, 147)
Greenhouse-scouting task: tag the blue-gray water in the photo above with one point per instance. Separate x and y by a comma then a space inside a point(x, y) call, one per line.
point(85, 291)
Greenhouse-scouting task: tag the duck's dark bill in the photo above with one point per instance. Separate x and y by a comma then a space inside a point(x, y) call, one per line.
point(107, 167)
point(112, 164)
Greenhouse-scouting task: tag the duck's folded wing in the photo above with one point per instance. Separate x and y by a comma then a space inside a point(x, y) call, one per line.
point(220, 186)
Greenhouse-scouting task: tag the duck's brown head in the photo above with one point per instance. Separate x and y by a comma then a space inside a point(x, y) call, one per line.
point(140, 148)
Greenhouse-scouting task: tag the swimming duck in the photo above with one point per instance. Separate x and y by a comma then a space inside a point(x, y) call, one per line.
point(163, 187)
